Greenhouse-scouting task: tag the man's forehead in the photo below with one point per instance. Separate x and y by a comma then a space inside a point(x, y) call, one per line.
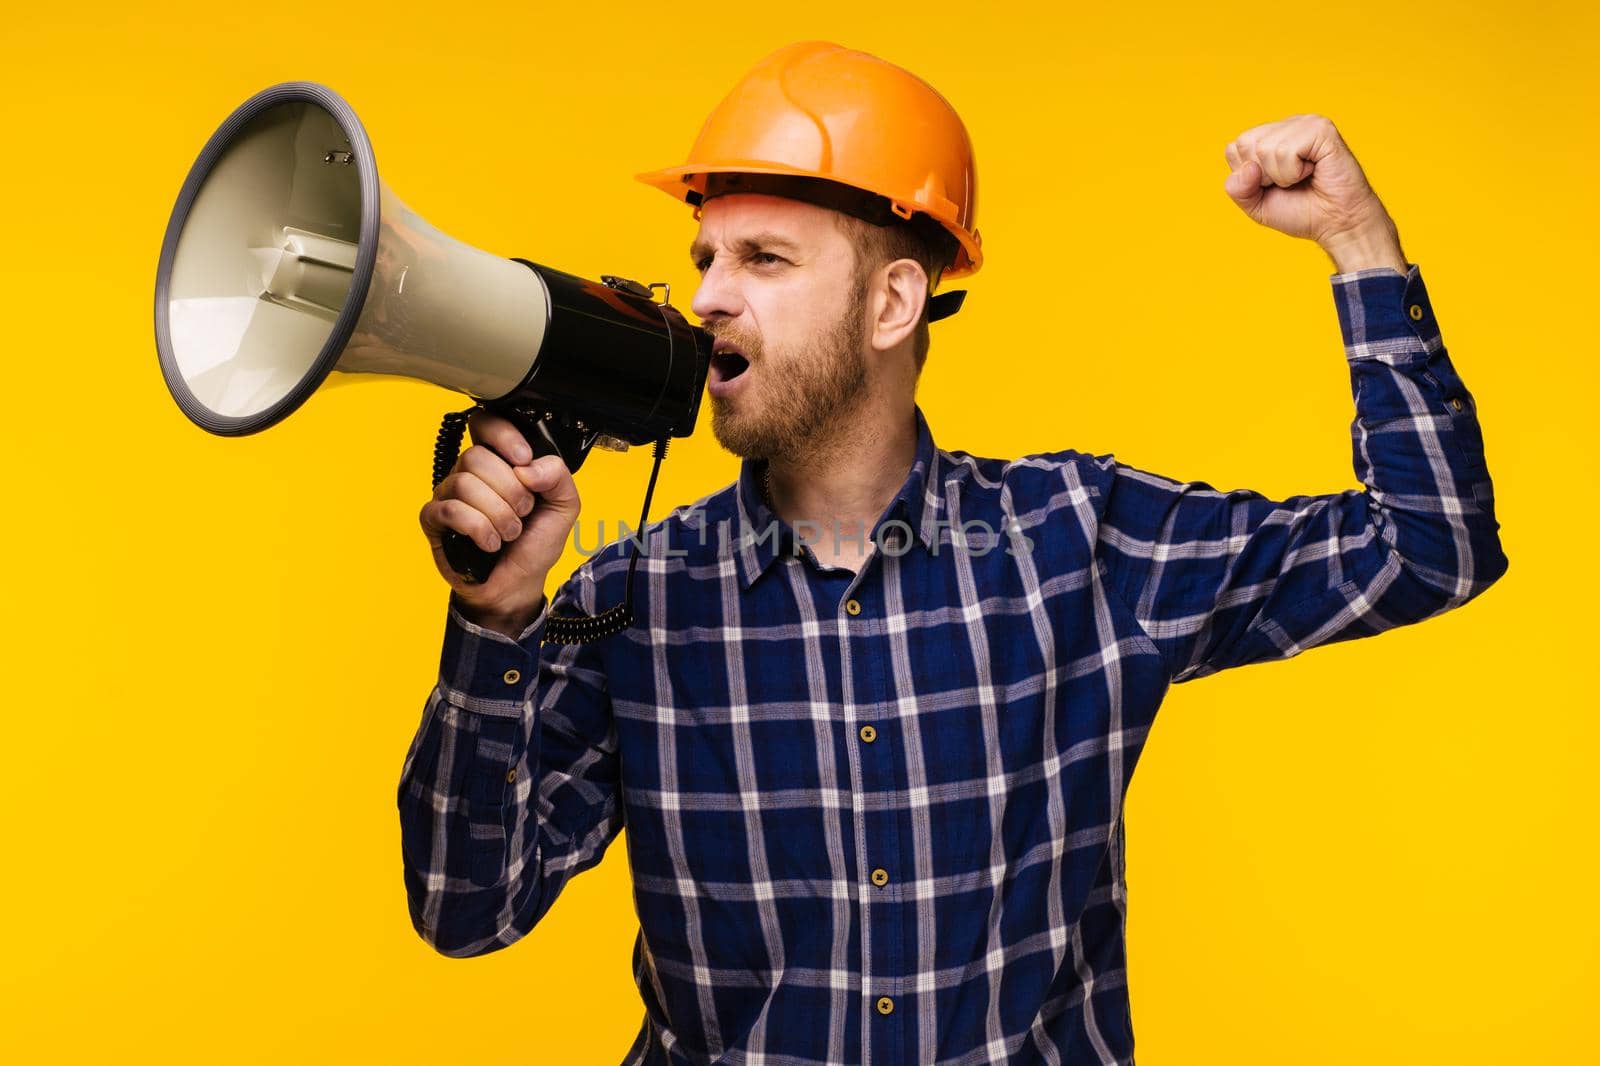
point(744, 220)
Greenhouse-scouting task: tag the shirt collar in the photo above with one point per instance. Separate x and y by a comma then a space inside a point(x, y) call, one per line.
point(761, 536)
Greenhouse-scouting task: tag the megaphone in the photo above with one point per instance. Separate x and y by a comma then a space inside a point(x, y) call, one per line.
point(286, 260)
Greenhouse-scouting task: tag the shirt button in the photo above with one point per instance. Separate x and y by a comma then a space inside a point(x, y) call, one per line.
point(512, 676)
point(868, 734)
point(511, 775)
point(880, 877)
point(1455, 401)
point(852, 606)
point(885, 1005)
point(1416, 312)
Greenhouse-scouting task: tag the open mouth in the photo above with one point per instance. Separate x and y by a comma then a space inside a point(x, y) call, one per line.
point(727, 365)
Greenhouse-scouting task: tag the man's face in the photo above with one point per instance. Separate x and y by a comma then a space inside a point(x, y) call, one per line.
point(778, 288)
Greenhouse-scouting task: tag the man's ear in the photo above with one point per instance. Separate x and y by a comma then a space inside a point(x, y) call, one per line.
point(897, 303)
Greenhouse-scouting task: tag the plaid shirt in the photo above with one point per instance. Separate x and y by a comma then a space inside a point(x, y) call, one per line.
point(878, 816)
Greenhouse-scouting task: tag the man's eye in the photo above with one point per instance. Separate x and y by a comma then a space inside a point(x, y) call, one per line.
point(703, 265)
point(767, 258)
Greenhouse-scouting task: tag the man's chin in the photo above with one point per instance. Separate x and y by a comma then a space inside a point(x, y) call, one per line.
point(737, 431)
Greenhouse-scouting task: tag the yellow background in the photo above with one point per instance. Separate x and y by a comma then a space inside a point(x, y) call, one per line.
point(218, 650)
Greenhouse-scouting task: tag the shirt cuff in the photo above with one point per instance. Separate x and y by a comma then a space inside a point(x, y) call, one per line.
point(486, 672)
point(1384, 315)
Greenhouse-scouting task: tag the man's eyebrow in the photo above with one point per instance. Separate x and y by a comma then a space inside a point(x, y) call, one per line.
point(768, 240)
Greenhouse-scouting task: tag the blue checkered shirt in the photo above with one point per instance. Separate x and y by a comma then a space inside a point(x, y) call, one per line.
point(877, 816)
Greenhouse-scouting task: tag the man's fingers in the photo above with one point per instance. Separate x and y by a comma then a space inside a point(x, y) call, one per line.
point(500, 434)
point(549, 477)
point(470, 489)
point(452, 514)
point(497, 475)
point(1284, 165)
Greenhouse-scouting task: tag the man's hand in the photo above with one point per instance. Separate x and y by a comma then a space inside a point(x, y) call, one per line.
point(499, 494)
point(1297, 176)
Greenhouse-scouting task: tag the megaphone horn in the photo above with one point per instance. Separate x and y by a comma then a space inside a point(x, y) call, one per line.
point(286, 260)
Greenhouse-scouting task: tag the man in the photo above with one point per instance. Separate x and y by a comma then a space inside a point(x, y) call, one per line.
point(872, 731)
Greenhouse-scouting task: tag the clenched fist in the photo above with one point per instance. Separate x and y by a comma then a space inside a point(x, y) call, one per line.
point(1297, 176)
point(498, 493)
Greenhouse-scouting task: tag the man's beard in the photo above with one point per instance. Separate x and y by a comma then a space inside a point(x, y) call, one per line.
point(804, 398)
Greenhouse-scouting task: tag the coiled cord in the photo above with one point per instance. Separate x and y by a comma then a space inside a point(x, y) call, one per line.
point(447, 445)
point(580, 629)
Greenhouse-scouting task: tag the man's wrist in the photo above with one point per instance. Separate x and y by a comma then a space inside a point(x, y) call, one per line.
point(510, 625)
point(1375, 246)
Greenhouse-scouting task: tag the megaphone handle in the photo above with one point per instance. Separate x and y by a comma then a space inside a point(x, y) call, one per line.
point(462, 553)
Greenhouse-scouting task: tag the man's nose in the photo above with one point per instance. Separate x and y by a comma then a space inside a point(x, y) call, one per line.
point(717, 294)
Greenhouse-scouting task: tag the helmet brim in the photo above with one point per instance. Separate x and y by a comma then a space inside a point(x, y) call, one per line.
point(678, 182)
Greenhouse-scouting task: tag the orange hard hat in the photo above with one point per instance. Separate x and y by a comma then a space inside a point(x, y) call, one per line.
point(820, 122)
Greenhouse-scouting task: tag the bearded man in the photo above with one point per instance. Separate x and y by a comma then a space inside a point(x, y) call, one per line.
point(872, 730)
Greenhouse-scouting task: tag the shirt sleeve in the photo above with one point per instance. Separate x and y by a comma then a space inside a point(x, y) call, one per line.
point(510, 786)
point(1222, 579)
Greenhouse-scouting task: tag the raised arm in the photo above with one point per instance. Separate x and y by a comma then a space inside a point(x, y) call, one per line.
point(1220, 579)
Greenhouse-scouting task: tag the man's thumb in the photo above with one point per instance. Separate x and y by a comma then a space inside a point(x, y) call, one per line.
point(1244, 187)
point(549, 477)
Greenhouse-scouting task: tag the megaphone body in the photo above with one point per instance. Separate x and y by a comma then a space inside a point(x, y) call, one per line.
point(287, 260)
